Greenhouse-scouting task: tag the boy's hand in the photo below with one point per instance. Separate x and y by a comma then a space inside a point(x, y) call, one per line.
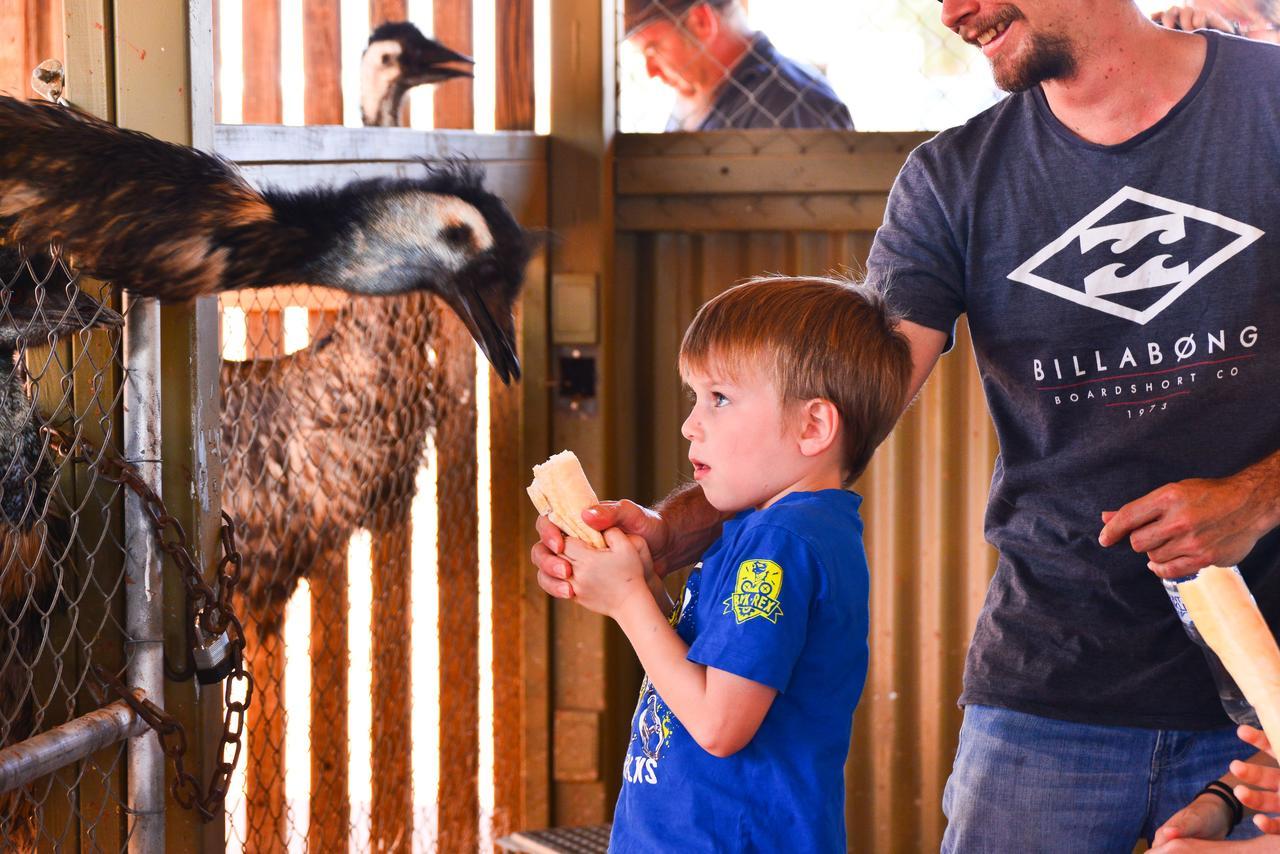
point(555, 572)
point(1207, 817)
point(605, 580)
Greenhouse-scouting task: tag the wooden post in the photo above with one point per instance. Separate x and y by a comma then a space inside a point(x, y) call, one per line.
point(459, 593)
point(266, 810)
point(515, 95)
point(263, 100)
point(454, 104)
point(330, 824)
point(392, 650)
point(322, 62)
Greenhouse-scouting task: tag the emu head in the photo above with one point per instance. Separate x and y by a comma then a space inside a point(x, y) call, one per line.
point(398, 58)
point(445, 234)
point(39, 302)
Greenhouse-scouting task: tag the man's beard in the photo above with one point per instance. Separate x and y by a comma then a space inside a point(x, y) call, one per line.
point(1048, 58)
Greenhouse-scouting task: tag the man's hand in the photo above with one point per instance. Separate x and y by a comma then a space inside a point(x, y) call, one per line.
point(1185, 526)
point(554, 572)
point(1187, 18)
point(1207, 817)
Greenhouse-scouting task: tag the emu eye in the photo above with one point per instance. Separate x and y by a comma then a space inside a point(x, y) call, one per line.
point(386, 59)
point(459, 234)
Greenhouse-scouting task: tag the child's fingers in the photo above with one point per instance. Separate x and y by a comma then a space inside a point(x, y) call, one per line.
point(617, 540)
point(1259, 800)
point(642, 547)
point(1256, 775)
point(1267, 824)
point(1256, 738)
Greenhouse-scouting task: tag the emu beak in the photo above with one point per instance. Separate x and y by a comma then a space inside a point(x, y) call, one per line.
point(497, 338)
point(434, 70)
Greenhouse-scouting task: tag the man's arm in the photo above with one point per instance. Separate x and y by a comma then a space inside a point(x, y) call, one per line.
point(1185, 526)
point(926, 348)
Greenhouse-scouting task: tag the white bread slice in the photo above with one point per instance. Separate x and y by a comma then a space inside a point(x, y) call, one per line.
point(1226, 616)
point(561, 491)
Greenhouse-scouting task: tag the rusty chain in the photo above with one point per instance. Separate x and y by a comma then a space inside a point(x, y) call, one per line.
point(208, 608)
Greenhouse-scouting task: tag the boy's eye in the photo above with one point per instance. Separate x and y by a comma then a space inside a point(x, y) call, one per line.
point(718, 399)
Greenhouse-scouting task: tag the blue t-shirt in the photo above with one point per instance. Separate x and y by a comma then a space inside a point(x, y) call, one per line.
point(1124, 303)
point(780, 599)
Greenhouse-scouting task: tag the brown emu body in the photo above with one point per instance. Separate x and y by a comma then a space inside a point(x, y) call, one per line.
point(319, 442)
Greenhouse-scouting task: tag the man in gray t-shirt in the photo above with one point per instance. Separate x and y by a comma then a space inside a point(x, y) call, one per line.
point(1112, 232)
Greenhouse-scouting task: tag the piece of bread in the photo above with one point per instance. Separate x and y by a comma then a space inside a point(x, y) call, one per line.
point(1226, 616)
point(561, 491)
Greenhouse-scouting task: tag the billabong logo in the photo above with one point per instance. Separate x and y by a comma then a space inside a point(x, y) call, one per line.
point(1119, 288)
point(756, 592)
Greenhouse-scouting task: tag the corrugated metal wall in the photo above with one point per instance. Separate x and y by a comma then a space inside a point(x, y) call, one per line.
point(925, 491)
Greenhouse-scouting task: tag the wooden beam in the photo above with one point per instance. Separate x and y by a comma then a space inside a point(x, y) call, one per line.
point(330, 824)
point(263, 100)
point(515, 92)
point(45, 38)
point(266, 809)
point(392, 684)
point(767, 143)
point(322, 61)
point(250, 145)
point(509, 568)
point(454, 104)
point(384, 11)
point(836, 212)
point(13, 54)
point(458, 799)
point(832, 173)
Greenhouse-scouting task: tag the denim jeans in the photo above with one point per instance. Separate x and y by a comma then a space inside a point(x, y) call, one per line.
point(1024, 783)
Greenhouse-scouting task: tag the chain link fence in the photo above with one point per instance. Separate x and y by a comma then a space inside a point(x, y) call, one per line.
point(328, 406)
point(891, 64)
point(61, 547)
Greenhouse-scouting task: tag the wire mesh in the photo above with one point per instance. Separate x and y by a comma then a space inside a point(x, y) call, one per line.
point(61, 545)
point(892, 64)
point(327, 409)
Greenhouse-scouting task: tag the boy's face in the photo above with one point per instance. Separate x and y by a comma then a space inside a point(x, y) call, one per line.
point(743, 446)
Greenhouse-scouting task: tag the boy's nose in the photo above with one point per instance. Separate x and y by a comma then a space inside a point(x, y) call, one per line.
point(687, 428)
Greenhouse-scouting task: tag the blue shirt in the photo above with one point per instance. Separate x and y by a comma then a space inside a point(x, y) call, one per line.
point(1124, 305)
point(780, 599)
point(767, 90)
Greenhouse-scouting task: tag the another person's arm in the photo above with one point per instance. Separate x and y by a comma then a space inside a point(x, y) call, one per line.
point(1185, 526)
point(720, 710)
point(1188, 19)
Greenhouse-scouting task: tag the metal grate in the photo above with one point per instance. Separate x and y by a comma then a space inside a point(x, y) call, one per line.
point(892, 64)
point(61, 546)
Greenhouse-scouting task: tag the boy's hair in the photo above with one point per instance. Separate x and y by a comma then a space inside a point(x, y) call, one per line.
point(826, 338)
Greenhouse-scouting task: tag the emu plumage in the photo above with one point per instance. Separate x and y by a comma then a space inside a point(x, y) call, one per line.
point(168, 221)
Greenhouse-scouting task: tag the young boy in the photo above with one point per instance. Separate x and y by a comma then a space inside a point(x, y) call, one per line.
point(739, 739)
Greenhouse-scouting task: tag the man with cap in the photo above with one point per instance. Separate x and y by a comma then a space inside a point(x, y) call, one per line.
point(725, 75)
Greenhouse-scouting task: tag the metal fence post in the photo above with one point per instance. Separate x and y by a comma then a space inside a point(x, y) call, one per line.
point(144, 617)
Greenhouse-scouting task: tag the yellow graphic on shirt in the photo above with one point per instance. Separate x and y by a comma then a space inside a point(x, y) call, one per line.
point(755, 594)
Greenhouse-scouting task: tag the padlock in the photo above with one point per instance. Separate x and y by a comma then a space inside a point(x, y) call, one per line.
point(216, 659)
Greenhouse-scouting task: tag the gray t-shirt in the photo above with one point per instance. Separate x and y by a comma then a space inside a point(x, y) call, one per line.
point(1124, 303)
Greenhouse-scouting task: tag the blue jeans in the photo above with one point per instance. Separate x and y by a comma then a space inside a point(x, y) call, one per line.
point(1024, 783)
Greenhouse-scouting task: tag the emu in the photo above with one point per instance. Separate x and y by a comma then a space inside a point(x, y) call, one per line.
point(327, 440)
point(167, 221)
point(37, 305)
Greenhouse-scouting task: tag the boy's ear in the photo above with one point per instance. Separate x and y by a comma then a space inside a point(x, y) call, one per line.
point(819, 426)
